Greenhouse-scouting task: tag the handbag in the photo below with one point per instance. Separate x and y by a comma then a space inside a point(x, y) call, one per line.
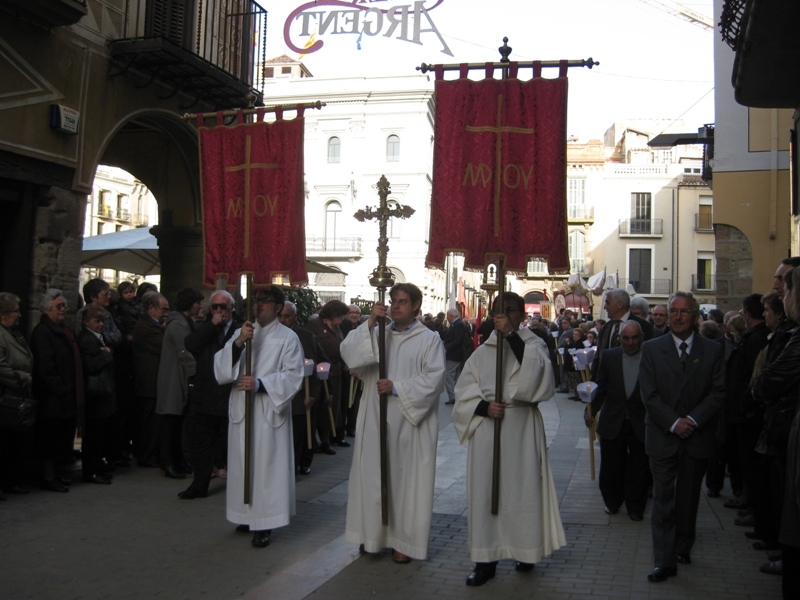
point(100, 385)
point(17, 413)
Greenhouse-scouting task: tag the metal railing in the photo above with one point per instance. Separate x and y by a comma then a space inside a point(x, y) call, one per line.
point(654, 287)
point(229, 34)
point(704, 282)
point(341, 245)
point(580, 213)
point(641, 227)
point(123, 214)
point(703, 222)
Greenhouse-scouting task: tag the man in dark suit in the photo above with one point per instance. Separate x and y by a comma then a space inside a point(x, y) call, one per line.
point(453, 338)
point(208, 400)
point(302, 402)
point(618, 307)
point(624, 472)
point(682, 381)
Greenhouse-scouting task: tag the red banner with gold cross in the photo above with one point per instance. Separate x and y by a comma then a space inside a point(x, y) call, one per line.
point(253, 201)
point(500, 169)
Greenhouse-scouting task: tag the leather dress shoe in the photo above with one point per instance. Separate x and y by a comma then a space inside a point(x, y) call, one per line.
point(400, 558)
point(735, 503)
point(96, 478)
point(635, 516)
point(660, 574)
point(326, 449)
point(63, 480)
point(54, 485)
point(341, 443)
point(683, 559)
point(261, 538)
point(759, 545)
point(774, 567)
point(190, 494)
point(611, 511)
point(747, 521)
point(523, 567)
point(173, 473)
point(304, 470)
point(482, 573)
point(775, 557)
point(243, 529)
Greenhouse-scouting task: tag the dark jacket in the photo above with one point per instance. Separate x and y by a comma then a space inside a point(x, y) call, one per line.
point(604, 341)
point(206, 396)
point(148, 337)
point(616, 404)
point(330, 340)
point(739, 405)
point(312, 350)
point(453, 339)
point(94, 361)
point(54, 370)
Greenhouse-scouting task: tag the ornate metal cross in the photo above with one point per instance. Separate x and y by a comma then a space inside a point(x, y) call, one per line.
point(382, 278)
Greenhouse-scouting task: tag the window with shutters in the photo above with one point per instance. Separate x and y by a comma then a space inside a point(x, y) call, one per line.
point(640, 269)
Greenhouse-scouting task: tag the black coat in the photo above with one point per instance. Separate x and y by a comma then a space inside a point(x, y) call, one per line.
point(616, 404)
point(54, 370)
point(453, 338)
point(206, 396)
point(148, 337)
point(312, 350)
point(94, 361)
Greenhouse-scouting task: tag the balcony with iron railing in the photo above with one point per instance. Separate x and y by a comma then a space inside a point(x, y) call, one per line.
point(580, 214)
point(704, 222)
point(104, 210)
point(207, 50)
point(324, 247)
point(123, 214)
point(704, 282)
point(641, 228)
point(649, 287)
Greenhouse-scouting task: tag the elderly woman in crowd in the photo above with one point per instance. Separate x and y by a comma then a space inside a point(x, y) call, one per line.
point(778, 385)
point(58, 387)
point(16, 366)
point(571, 375)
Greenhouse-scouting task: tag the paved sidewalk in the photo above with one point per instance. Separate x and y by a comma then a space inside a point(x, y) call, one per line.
point(135, 539)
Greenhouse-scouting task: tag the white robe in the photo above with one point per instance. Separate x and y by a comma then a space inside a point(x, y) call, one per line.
point(415, 365)
point(278, 365)
point(528, 524)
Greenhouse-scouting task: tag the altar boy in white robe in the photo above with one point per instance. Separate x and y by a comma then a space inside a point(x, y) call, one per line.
point(414, 382)
point(528, 524)
point(277, 374)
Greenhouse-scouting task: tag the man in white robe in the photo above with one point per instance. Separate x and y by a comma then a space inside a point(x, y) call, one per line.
point(414, 382)
point(277, 374)
point(528, 524)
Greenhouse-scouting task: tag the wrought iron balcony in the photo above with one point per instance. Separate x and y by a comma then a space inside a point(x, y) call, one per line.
point(208, 49)
point(704, 222)
point(641, 227)
point(345, 247)
point(650, 287)
point(581, 214)
point(704, 282)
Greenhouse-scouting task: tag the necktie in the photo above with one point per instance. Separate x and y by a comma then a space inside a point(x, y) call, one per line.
point(684, 355)
point(615, 335)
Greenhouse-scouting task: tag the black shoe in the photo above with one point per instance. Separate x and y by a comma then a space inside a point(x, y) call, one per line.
point(99, 479)
point(351, 433)
point(611, 511)
point(523, 566)
point(759, 545)
point(54, 486)
point(635, 516)
point(712, 493)
point(735, 503)
point(326, 449)
point(661, 573)
point(483, 572)
point(747, 521)
point(18, 489)
point(243, 529)
point(173, 473)
point(304, 470)
point(63, 480)
point(683, 559)
point(775, 556)
point(190, 494)
point(261, 538)
point(772, 568)
point(343, 443)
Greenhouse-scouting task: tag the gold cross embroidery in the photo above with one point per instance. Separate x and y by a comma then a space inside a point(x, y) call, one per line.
point(499, 130)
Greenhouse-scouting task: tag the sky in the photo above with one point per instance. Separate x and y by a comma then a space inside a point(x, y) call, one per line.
point(653, 65)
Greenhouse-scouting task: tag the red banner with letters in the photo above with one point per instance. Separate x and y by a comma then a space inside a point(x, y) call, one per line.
point(499, 173)
point(253, 201)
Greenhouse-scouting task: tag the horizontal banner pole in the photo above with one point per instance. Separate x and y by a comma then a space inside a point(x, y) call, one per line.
point(252, 111)
point(545, 64)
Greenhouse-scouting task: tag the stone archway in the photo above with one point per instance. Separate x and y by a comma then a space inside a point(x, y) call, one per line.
point(734, 256)
point(161, 150)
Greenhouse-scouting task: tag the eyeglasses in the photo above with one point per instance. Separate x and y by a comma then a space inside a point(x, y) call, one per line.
point(684, 312)
point(401, 302)
point(264, 300)
point(221, 306)
point(60, 306)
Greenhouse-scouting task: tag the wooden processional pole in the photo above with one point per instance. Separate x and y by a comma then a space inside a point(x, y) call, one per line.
point(383, 278)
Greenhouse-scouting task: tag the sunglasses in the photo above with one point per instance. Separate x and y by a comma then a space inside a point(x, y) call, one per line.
point(220, 306)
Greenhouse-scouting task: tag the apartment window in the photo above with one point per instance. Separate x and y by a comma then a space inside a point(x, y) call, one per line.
point(333, 211)
point(576, 198)
point(286, 70)
point(393, 148)
point(705, 271)
point(269, 72)
point(334, 150)
point(576, 248)
point(640, 268)
point(641, 212)
point(705, 214)
point(537, 266)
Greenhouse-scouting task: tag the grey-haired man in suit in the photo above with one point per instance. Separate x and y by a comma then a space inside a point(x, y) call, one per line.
point(683, 387)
